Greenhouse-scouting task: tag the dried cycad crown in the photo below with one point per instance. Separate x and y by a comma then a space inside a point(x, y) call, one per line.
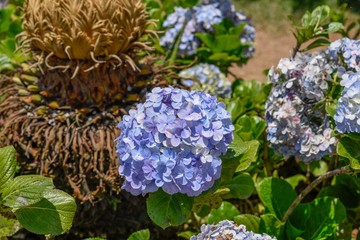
point(90, 30)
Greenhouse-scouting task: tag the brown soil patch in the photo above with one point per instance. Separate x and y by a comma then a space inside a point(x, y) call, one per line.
point(270, 48)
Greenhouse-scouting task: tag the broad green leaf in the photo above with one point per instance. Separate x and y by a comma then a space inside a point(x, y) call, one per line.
point(7, 165)
point(271, 225)
point(324, 215)
point(335, 26)
point(53, 215)
point(250, 156)
point(25, 190)
point(305, 20)
point(319, 14)
point(250, 221)
point(8, 227)
point(226, 211)
point(294, 180)
point(241, 186)
point(236, 148)
point(346, 188)
point(291, 231)
point(350, 149)
point(168, 210)
point(5, 16)
point(140, 235)
point(277, 195)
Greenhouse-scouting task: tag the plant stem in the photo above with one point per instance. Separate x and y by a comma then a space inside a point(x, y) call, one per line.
point(311, 186)
point(266, 157)
point(296, 49)
point(194, 220)
point(49, 237)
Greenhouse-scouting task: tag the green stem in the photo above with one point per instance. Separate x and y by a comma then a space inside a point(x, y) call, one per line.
point(266, 160)
point(311, 186)
point(194, 220)
point(175, 47)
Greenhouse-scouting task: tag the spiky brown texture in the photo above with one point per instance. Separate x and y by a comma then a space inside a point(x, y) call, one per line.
point(65, 141)
point(90, 31)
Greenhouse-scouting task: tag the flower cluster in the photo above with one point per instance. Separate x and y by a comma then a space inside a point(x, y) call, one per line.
point(347, 117)
point(212, 80)
point(349, 50)
point(228, 230)
point(201, 18)
point(297, 122)
point(173, 141)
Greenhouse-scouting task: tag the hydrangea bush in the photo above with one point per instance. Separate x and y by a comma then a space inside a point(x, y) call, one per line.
point(295, 124)
point(173, 141)
point(201, 19)
point(347, 51)
point(228, 230)
point(211, 79)
point(188, 152)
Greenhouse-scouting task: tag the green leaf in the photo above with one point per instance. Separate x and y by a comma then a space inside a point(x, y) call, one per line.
point(305, 20)
point(317, 43)
point(350, 149)
point(7, 165)
point(186, 234)
point(241, 186)
point(319, 14)
point(236, 148)
point(53, 215)
point(168, 210)
point(25, 190)
point(140, 235)
point(318, 168)
point(271, 225)
point(250, 156)
point(206, 38)
point(8, 227)
point(226, 211)
point(294, 180)
point(250, 221)
point(292, 232)
point(324, 215)
point(335, 26)
point(346, 188)
point(277, 195)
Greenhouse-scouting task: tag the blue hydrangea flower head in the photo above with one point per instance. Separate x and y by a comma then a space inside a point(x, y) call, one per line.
point(228, 230)
point(212, 80)
point(349, 50)
point(296, 126)
point(173, 141)
point(347, 117)
point(200, 19)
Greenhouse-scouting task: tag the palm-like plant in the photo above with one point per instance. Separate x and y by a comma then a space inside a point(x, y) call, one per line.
point(63, 113)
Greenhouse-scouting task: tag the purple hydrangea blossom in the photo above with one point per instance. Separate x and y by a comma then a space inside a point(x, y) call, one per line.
point(296, 123)
point(212, 80)
point(228, 230)
point(201, 18)
point(173, 141)
point(347, 117)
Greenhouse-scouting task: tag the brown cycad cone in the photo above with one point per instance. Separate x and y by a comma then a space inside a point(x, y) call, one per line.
point(87, 49)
